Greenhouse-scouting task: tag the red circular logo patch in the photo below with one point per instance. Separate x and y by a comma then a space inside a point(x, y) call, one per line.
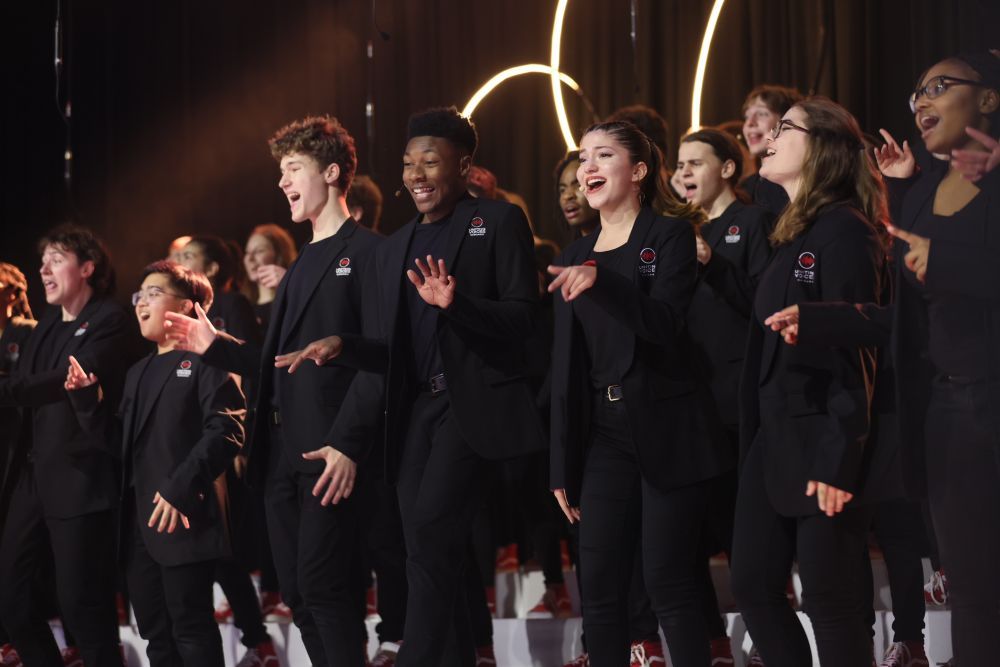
point(12, 348)
point(807, 260)
point(734, 230)
point(345, 262)
point(648, 255)
point(186, 364)
point(477, 222)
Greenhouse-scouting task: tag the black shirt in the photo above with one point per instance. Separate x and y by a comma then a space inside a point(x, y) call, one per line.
point(429, 238)
point(262, 312)
point(147, 392)
point(958, 334)
point(604, 334)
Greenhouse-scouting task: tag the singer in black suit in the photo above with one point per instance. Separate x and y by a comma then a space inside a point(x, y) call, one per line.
point(65, 497)
point(315, 542)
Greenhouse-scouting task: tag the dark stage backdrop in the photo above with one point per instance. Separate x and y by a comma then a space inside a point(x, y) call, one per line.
point(173, 101)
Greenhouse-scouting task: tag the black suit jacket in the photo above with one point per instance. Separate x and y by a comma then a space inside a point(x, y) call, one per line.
point(481, 337)
point(74, 467)
point(676, 440)
point(12, 342)
point(311, 398)
point(811, 405)
point(719, 316)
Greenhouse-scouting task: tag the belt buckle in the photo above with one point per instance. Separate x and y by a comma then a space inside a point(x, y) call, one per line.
point(437, 384)
point(611, 397)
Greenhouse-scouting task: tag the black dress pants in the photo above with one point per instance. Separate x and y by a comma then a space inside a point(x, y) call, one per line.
point(385, 551)
point(836, 589)
point(317, 555)
point(616, 506)
point(173, 608)
point(83, 551)
point(899, 531)
point(440, 490)
point(963, 486)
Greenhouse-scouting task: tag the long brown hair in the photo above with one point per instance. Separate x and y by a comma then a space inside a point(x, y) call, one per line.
point(654, 190)
point(836, 171)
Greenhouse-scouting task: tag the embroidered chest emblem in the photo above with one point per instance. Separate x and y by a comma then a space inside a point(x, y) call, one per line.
point(647, 257)
point(733, 234)
point(184, 369)
point(805, 272)
point(477, 227)
point(344, 266)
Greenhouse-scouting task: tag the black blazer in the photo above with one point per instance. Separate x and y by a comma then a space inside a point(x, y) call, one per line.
point(12, 341)
point(481, 338)
point(676, 441)
point(74, 468)
point(811, 405)
point(719, 316)
point(312, 397)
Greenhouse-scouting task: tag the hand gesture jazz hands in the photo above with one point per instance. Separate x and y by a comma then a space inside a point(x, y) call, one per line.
point(320, 351)
point(76, 377)
point(165, 516)
point(572, 281)
point(893, 161)
point(919, 254)
point(433, 282)
point(786, 322)
point(338, 475)
point(191, 334)
point(975, 164)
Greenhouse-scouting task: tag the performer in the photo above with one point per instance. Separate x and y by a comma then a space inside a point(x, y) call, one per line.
point(65, 498)
point(805, 420)
point(181, 424)
point(629, 442)
point(313, 529)
point(576, 212)
point(270, 250)
point(763, 108)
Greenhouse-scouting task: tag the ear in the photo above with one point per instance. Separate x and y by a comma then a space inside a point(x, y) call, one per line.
point(211, 270)
point(331, 174)
point(989, 102)
point(87, 269)
point(728, 169)
point(639, 172)
point(187, 307)
point(464, 165)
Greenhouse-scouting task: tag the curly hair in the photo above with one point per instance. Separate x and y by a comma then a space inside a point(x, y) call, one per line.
point(83, 243)
point(323, 139)
point(11, 276)
point(447, 123)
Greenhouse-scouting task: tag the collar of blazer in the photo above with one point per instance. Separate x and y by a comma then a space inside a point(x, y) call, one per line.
point(720, 226)
point(330, 251)
point(638, 239)
point(68, 338)
point(156, 382)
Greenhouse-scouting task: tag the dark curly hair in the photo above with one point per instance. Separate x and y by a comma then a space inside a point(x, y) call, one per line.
point(189, 284)
point(83, 243)
point(447, 123)
point(323, 139)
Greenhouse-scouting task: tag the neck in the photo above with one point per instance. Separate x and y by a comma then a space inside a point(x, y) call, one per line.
point(792, 187)
point(164, 346)
point(265, 295)
point(71, 309)
point(721, 203)
point(442, 212)
point(620, 217)
point(329, 221)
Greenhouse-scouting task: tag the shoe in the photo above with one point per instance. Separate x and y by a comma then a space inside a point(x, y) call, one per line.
point(262, 655)
point(386, 655)
point(507, 559)
point(485, 656)
point(371, 603)
point(722, 653)
point(273, 609)
point(647, 654)
point(71, 657)
point(582, 660)
point(936, 590)
point(555, 603)
point(754, 659)
point(905, 654)
point(9, 656)
point(224, 613)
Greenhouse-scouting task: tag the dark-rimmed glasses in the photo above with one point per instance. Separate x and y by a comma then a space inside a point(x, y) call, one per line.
point(937, 87)
point(152, 294)
point(783, 124)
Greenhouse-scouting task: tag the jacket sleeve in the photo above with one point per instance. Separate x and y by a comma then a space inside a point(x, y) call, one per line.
point(512, 315)
point(366, 351)
point(732, 282)
point(844, 324)
point(223, 410)
point(233, 355)
point(658, 316)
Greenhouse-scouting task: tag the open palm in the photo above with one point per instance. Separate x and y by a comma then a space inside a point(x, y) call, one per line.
point(433, 282)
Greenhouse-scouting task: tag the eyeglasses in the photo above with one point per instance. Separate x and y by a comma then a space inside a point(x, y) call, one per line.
point(785, 123)
point(937, 87)
point(152, 294)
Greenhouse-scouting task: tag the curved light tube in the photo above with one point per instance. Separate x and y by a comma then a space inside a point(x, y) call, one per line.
point(531, 68)
point(699, 74)
point(557, 98)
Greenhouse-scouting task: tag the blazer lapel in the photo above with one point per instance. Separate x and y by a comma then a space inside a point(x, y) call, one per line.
point(128, 419)
point(44, 328)
point(637, 239)
point(720, 226)
point(157, 381)
point(68, 337)
point(461, 218)
point(785, 267)
point(919, 197)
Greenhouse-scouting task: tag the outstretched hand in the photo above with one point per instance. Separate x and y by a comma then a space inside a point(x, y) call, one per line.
point(920, 250)
point(338, 475)
point(974, 164)
point(320, 351)
point(433, 282)
point(191, 334)
point(165, 516)
point(572, 281)
point(892, 160)
point(77, 378)
point(786, 322)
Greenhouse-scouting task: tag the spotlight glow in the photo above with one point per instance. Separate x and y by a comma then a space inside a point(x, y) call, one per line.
point(699, 75)
point(557, 98)
point(531, 68)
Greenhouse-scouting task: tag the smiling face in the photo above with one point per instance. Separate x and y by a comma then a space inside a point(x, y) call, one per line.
point(782, 161)
point(942, 121)
point(702, 174)
point(259, 252)
point(434, 173)
point(64, 277)
point(306, 185)
point(158, 297)
point(606, 171)
point(758, 119)
point(572, 201)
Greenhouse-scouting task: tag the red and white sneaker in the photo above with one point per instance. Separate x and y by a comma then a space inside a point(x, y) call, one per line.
point(507, 559)
point(555, 603)
point(485, 657)
point(71, 657)
point(905, 654)
point(262, 655)
point(371, 602)
point(722, 653)
point(9, 656)
point(648, 654)
point(224, 613)
point(386, 654)
point(936, 590)
point(273, 609)
point(582, 660)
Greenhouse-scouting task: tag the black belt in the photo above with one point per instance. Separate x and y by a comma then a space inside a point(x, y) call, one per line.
point(613, 393)
point(434, 386)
